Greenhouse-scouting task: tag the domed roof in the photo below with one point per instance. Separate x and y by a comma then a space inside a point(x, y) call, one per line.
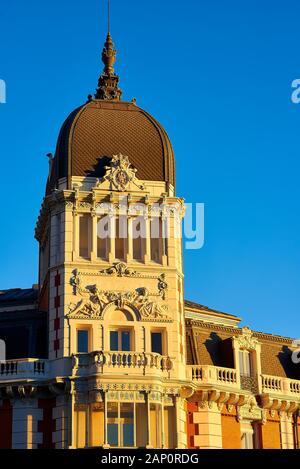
point(106, 126)
point(95, 132)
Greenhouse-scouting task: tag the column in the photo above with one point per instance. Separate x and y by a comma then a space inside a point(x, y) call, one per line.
point(87, 427)
point(286, 431)
point(94, 250)
point(177, 413)
point(26, 416)
point(236, 349)
point(149, 446)
point(134, 424)
point(105, 445)
point(147, 256)
point(71, 419)
point(129, 240)
point(112, 237)
point(208, 418)
point(75, 235)
point(163, 442)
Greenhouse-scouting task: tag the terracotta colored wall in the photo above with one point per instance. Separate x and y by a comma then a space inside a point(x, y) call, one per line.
point(6, 419)
point(44, 297)
point(231, 431)
point(47, 425)
point(271, 433)
point(192, 428)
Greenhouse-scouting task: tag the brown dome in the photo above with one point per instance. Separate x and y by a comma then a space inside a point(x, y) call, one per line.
point(95, 132)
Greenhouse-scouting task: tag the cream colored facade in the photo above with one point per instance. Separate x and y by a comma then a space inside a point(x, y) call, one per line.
point(101, 296)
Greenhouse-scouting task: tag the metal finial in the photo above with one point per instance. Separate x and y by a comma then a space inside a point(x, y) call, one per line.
point(108, 84)
point(108, 17)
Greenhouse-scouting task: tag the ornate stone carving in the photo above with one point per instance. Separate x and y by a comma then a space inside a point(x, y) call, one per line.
point(120, 173)
point(249, 383)
point(120, 270)
point(162, 286)
point(94, 306)
point(246, 340)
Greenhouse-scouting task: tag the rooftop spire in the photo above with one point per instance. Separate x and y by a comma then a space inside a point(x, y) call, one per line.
point(108, 84)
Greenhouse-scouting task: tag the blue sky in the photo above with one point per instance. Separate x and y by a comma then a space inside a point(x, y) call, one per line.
point(218, 76)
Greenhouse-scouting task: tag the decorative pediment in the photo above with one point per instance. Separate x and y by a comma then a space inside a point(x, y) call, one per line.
point(120, 174)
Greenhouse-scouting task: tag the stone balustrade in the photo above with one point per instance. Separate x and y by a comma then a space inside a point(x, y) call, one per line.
point(229, 377)
point(131, 363)
point(280, 386)
point(214, 375)
point(29, 369)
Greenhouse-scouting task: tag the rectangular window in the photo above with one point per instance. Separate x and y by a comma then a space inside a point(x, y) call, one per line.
point(157, 342)
point(85, 236)
point(83, 341)
point(103, 236)
point(121, 238)
point(127, 425)
point(165, 235)
point(156, 240)
point(138, 238)
point(125, 341)
point(113, 424)
point(120, 424)
point(114, 341)
point(120, 341)
point(245, 359)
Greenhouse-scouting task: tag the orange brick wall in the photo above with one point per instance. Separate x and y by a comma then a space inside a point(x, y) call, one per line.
point(231, 431)
point(192, 428)
point(271, 433)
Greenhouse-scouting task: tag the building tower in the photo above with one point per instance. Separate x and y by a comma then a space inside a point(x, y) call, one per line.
point(111, 275)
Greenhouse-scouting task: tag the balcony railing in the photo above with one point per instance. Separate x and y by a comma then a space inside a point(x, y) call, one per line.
point(121, 362)
point(228, 377)
point(278, 385)
point(23, 369)
point(216, 375)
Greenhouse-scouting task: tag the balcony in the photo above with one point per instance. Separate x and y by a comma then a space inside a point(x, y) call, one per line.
point(280, 386)
point(213, 375)
point(25, 369)
point(229, 378)
point(108, 363)
point(122, 363)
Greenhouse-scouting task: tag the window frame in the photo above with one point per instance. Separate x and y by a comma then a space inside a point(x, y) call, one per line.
point(88, 331)
point(120, 331)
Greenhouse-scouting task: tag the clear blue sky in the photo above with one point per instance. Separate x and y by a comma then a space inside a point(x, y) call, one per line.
point(217, 74)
